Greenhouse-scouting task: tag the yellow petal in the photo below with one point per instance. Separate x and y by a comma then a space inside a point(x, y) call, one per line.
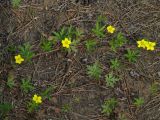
point(66, 42)
point(35, 97)
point(22, 59)
point(19, 56)
point(39, 99)
point(153, 43)
point(15, 57)
point(67, 46)
point(66, 39)
point(18, 62)
point(69, 42)
point(110, 29)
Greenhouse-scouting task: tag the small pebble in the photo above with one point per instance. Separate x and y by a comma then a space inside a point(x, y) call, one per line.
point(134, 74)
point(84, 60)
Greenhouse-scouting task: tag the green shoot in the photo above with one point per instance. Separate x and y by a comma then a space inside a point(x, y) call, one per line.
point(73, 46)
point(90, 45)
point(12, 48)
point(115, 64)
point(94, 70)
point(131, 55)
point(78, 33)
point(47, 93)
point(26, 86)
point(111, 80)
point(138, 102)
point(61, 34)
point(154, 88)
point(15, 3)
point(68, 32)
point(117, 42)
point(32, 106)
point(108, 106)
point(99, 29)
point(66, 108)
point(25, 51)
point(46, 45)
point(77, 99)
point(5, 108)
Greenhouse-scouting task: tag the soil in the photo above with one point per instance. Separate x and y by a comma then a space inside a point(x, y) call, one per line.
point(82, 95)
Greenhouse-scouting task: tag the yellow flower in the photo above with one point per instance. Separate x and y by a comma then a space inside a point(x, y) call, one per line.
point(66, 43)
point(142, 43)
point(110, 29)
point(37, 99)
point(146, 44)
point(150, 45)
point(19, 59)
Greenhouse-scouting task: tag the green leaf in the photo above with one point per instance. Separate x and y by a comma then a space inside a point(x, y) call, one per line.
point(26, 85)
point(90, 45)
point(118, 41)
point(98, 30)
point(115, 64)
point(94, 70)
point(108, 106)
point(5, 108)
point(111, 80)
point(46, 45)
point(131, 55)
point(138, 102)
point(25, 51)
point(15, 3)
point(47, 93)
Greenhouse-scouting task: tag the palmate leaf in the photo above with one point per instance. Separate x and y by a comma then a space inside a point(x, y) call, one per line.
point(46, 45)
point(115, 64)
point(60, 35)
point(118, 41)
point(70, 31)
point(131, 55)
point(74, 45)
point(90, 45)
point(25, 51)
point(94, 70)
point(98, 30)
point(108, 106)
point(121, 40)
point(111, 80)
point(138, 102)
point(32, 106)
point(26, 85)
